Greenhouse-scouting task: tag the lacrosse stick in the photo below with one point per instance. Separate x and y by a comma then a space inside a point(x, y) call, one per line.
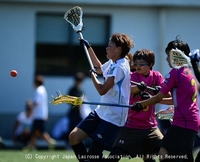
point(77, 101)
point(136, 83)
point(178, 59)
point(74, 17)
point(167, 114)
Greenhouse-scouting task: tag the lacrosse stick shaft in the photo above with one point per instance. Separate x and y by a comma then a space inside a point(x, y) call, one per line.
point(86, 51)
point(136, 83)
point(105, 104)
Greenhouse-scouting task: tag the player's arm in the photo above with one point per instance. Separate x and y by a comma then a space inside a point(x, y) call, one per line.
point(137, 88)
point(138, 106)
point(95, 61)
point(153, 100)
point(102, 88)
point(167, 101)
point(134, 89)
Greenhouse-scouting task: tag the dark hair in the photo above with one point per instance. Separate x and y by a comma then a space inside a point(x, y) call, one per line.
point(39, 80)
point(181, 45)
point(145, 54)
point(123, 41)
point(129, 57)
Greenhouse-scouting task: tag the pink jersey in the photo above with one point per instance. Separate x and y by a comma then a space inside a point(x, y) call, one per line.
point(182, 85)
point(144, 119)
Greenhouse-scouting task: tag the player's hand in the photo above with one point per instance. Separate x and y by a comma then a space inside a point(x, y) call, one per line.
point(93, 71)
point(142, 86)
point(84, 42)
point(157, 89)
point(194, 55)
point(137, 107)
point(145, 95)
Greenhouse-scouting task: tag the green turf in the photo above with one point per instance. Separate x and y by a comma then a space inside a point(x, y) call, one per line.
point(47, 156)
point(44, 156)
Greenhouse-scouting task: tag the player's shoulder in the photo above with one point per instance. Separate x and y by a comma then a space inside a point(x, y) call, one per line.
point(155, 73)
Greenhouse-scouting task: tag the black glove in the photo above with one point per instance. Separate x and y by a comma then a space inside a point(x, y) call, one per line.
point(84, 42)
point(142, 86)
point(92, 71)
point(145, 95)
point(157, 89)
point(137, 107)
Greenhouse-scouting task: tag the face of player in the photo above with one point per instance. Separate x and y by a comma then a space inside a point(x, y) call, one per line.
point(113, 52)
point(142, 67)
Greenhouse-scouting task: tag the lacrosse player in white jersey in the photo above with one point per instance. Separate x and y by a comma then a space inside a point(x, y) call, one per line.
point(103, 124)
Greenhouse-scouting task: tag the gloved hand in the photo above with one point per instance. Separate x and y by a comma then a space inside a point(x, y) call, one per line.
point(145, 95)
point(157, 89)
point(93, 71)
point(142, 86)
point(137, 107)
point(84, 42)
point(194, 55)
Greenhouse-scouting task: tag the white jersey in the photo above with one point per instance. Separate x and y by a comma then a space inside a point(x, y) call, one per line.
point(24, 122)
point(40, 98)
point(118, 94)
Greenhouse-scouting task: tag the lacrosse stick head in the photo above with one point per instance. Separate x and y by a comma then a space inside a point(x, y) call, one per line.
point(178, 59)
point(61, 99)
point(167, 114)
point(74, 17)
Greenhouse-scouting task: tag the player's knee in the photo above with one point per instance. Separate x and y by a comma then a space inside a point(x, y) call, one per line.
point(76, 136)
point(73, 138)
point(162, 153)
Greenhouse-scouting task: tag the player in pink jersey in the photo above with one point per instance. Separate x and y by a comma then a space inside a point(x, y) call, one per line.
point(140, 136)
point(177, 144)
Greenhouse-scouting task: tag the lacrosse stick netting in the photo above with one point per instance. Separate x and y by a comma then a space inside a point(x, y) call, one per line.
point(178, 59)
point(74, 17)
point(75, 101)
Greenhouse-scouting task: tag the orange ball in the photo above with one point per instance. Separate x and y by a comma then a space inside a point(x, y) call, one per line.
point(13, 73)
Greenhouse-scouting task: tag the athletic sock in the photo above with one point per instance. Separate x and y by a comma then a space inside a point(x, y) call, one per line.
point(96, 151)
point(198, 157)
point(80, 152)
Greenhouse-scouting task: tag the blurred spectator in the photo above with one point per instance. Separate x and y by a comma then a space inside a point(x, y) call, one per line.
point(40, 114)
point(74, 114)
point(64, 126)
point(23, 123)
point(61, 128)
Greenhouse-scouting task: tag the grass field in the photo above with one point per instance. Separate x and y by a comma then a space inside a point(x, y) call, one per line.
point(44, 156)
point(47, 156)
